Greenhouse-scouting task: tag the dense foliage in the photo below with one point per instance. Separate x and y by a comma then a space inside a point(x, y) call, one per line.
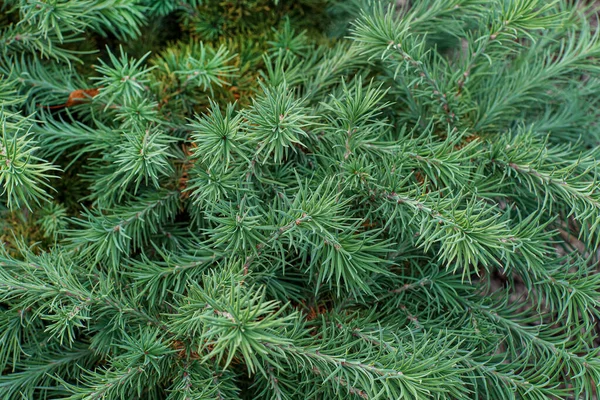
point(313, 199)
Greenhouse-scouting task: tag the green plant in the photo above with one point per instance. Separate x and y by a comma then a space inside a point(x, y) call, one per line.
point(311, 199)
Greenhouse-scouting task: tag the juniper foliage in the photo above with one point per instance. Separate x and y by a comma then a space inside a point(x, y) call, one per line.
point(299, 199)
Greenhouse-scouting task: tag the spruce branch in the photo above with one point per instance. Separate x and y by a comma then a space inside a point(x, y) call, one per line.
point(23, 175)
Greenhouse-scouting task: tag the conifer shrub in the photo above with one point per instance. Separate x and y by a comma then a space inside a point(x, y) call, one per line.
point(311, 199)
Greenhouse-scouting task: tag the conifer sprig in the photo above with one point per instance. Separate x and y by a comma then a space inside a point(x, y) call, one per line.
point(364, 199)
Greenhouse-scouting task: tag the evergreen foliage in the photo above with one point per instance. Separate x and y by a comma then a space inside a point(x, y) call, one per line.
point(311, 199)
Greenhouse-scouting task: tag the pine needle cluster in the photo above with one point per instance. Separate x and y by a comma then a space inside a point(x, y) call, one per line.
point(313, 199)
